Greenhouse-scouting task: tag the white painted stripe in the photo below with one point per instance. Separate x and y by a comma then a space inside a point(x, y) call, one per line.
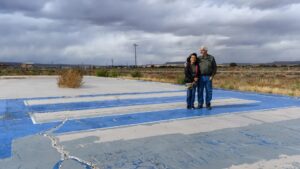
point(274, 116)
point(80, 114)
point(187, 126)
point(101, 98)
point(283, 161)
point(32, 118)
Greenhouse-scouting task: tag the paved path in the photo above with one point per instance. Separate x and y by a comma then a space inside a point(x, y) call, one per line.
point(115, 123)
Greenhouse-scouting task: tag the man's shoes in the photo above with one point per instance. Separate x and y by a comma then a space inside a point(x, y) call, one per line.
point(190, 107)
point(200, 107)
point(208, 106)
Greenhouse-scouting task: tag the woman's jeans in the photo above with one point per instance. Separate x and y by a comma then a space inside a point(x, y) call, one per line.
point(204, 83)
point(191, 96)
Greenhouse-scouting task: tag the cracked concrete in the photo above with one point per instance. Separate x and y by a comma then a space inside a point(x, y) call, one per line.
point(65, 155)
point(32, 152)
point(211, 150)
point(46, 148)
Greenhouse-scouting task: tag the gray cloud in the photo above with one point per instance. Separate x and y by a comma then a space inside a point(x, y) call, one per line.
point(259, 4)
point(21, 5)
point(92, 31)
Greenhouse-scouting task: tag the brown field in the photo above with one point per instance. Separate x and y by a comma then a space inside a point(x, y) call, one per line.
point(276, 80)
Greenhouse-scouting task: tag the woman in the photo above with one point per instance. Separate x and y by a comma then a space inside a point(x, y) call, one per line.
point(191, 78)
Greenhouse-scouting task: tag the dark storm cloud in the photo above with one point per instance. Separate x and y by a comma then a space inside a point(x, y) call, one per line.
point(166, 30)
point(259, 4)
point(172, 16)
point(21, 5)
point(128, 14)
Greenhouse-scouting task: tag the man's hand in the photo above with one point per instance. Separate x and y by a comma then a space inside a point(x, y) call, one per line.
point(211, 78)
point(195, 79)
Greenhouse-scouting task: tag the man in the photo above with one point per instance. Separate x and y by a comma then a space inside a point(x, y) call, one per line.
point(208, 69)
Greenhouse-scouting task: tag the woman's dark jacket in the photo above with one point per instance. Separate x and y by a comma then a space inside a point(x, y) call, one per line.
point(189, 74)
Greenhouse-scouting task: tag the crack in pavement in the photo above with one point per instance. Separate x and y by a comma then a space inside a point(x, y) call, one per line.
point(65, 155)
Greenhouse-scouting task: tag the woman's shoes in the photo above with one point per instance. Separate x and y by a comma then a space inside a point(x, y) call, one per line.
point(190, 107)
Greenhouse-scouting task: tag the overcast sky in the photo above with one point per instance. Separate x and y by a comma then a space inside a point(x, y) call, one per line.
point(96, 31)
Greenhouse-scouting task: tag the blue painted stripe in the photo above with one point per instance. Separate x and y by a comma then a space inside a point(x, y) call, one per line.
point(15, 109)
point(46, 108)
point(138, 118)
point(103, 104)
point(103, 94)
point(2, 107)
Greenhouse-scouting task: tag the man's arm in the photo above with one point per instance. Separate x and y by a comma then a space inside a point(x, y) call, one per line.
point(214, 69)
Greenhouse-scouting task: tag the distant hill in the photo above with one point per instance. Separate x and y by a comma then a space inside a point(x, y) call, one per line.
point(286, 63)
point(271, 63)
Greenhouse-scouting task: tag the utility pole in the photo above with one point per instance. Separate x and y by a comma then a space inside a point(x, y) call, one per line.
point(112, 62)
point(135, 57)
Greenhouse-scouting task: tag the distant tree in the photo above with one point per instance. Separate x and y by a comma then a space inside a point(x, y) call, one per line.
point(232, 64)
point(274, 65)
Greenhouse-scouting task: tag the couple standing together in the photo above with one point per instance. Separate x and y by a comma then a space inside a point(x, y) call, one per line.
point(199, 73)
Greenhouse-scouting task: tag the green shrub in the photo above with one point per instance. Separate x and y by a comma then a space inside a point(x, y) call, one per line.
point(114, 73)
point(102, 73)
point(136, 74)
point(233, 64)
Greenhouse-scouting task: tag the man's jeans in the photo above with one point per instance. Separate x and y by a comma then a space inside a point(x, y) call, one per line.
point(204, 83)
point(190, 99)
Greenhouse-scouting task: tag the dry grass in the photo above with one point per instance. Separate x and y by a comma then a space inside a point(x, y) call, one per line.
point(257, 82)
point(278, 80)
point(70, 78)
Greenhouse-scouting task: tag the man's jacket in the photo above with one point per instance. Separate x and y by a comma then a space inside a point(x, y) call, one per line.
point(208, 65)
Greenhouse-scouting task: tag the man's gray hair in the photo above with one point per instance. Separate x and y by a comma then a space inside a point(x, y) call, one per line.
point(203, 48)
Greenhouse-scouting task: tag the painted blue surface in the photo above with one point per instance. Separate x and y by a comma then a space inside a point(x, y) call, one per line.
point(16, 123)
point(2, 108)
point(155, 116)
point(56, 166)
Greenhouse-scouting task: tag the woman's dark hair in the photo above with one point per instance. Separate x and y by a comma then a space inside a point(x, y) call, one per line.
point(188, 59)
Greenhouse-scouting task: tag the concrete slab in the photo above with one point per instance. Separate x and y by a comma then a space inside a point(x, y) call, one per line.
point(31, 152)
point(115, 123)
point(46, 86)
